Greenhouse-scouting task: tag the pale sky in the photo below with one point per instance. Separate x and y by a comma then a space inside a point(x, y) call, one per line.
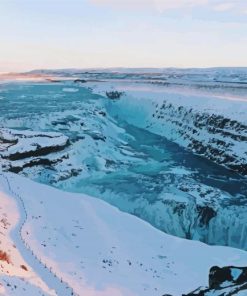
point(122, 33)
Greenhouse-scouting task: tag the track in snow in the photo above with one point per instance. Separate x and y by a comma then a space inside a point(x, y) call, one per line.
point(46, 274)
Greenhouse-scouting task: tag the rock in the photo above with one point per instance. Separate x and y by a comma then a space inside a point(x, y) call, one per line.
point(21, 149)
point(206, 213)
point(80, 81)
point(225, 281)
point(53, 80)
point(215, 137)
point(235, 275)
point(114, 95)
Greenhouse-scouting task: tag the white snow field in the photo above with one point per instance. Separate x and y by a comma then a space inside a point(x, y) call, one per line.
point(87, 247)
point(17, 277)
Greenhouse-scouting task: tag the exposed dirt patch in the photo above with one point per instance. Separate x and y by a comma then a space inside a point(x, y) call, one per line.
point(4, 257)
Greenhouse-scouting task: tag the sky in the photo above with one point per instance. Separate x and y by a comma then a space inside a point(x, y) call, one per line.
point(39, 34)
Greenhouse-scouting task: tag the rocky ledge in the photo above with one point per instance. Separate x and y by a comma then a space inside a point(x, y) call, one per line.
point(20, 149)
point(216, 137)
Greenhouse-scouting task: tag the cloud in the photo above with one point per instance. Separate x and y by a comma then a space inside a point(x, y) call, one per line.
point(239, 6)
point(224, 6)
point(155, 4)
point(169, 4)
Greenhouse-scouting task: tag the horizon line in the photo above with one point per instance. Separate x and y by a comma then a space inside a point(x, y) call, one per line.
point(122, 67)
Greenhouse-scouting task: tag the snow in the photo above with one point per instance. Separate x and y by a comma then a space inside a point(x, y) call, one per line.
point(17, 286)
point(241, 293)
point(233, 107)
point(235, 273)
point(16, 267)
point(95, 248)
point(70, 89)
point(28, 141)
point(22, 148)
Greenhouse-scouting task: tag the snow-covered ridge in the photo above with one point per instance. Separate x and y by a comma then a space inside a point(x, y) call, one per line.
point(96, 249)
point(212, 126)
point(20, 149)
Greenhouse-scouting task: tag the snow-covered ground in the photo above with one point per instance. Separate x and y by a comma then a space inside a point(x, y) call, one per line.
point(17, 277)
point(123, 151)
point(99, 250)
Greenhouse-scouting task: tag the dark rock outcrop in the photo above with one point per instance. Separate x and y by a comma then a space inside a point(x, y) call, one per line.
point(80, 81)
point(39, 151)
point(26, 149)
point(225, 281)
point(114, 95)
